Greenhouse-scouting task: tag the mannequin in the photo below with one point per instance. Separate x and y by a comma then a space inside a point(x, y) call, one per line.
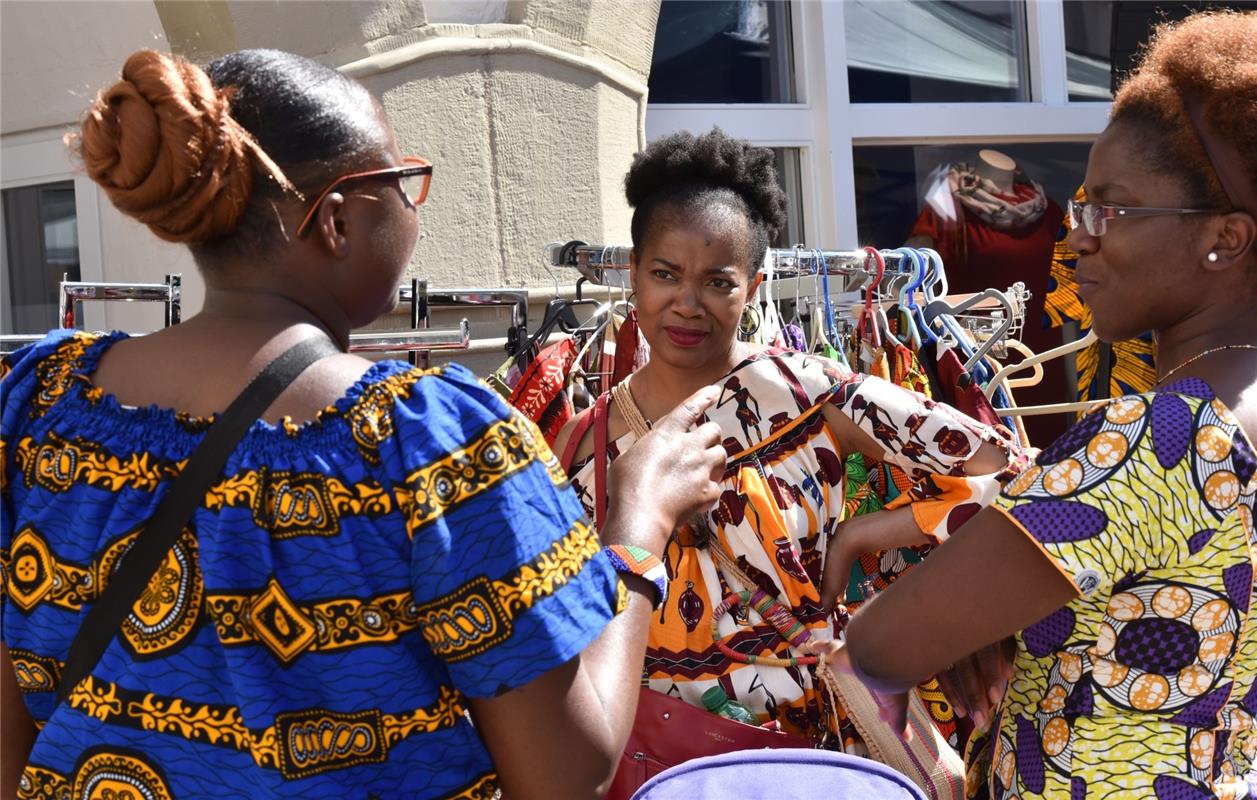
point(997, 168)
point(994, 226)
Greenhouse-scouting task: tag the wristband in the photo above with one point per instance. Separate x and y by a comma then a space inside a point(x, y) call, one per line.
point(642, 563)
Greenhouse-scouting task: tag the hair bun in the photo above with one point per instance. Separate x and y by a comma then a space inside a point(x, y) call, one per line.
point(163, 145)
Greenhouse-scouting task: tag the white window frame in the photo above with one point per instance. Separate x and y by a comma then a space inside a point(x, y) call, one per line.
point(825, 125)
point(35, 157)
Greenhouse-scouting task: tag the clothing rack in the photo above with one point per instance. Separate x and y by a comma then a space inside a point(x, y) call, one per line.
point(415, 342)
point(595, 261)
point(72, 292)
point(422, 299)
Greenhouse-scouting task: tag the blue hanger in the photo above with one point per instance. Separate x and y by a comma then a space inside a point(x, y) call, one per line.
point(908, 267)
point(910, 311)
point(831, 328)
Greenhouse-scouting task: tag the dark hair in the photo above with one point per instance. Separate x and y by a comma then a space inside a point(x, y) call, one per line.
point(202, 156)
point(693, 175)
point(1211, 56)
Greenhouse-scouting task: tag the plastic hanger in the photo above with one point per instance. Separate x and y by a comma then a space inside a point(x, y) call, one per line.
point(1020, 383)
point(1033, 361)
point(910, 336)
point(831, 330)
point(916, 310)
point(866, 326)
point(941, 307)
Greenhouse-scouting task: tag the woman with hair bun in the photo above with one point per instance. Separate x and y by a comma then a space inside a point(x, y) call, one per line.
point(387, 555)
point(1123, 560)
point(705, 210)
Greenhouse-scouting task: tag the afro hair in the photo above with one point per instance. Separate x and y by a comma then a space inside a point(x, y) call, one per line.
point(689, 174)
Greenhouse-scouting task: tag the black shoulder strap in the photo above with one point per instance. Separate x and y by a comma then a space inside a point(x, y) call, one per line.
point(175, 509)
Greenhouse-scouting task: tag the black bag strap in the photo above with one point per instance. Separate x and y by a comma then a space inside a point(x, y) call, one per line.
point(176, 508)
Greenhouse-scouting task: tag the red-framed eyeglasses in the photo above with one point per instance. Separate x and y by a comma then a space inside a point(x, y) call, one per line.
point(414, 173)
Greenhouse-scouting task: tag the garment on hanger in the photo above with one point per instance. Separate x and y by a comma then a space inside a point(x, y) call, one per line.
point(989, 239)
point(960, 390)
point(539, 393)
point(631, 349)
point(905, 367)
point(793, 335)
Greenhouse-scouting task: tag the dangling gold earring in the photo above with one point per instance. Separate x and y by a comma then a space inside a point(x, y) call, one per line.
point(749, 322)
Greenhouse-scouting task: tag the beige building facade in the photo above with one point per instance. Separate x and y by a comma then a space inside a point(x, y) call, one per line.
point(530, 110)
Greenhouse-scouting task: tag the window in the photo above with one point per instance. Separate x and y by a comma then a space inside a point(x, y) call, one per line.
point(916, 51)
point(790, 175)
point(1102, 38)
point(892, 183)
point(41, 245)
point(1088, 42)
point(723, 51)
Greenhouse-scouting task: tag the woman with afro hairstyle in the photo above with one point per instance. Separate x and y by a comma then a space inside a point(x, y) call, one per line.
point(705, 210)
point(1123, 560)
point(388, 555)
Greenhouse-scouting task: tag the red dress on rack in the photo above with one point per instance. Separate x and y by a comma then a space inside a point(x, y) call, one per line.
point(979, 257)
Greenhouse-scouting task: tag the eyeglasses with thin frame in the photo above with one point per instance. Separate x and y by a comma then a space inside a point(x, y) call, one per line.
point(1095, 216)
point(415, 174)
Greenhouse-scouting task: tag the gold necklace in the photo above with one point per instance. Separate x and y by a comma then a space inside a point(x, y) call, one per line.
point(1204, 353)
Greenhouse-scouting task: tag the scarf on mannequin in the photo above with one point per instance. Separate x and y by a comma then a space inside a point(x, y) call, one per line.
point(997, 210)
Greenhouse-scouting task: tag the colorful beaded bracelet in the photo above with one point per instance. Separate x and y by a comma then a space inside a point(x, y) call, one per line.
point(775, 614)
point(642, 563)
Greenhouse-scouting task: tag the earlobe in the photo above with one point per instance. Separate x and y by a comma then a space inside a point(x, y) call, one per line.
point(330, 225)
point(1236, 241)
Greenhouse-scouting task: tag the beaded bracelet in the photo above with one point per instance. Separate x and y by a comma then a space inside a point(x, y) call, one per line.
point(642, 563)
point(772, 612)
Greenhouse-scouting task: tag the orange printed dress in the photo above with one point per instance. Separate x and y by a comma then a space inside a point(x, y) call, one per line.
point(783, 497)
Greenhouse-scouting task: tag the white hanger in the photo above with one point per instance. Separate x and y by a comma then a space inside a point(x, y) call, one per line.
point(1035, 360)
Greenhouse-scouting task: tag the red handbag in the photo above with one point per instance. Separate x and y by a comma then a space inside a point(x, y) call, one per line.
point(668, 731)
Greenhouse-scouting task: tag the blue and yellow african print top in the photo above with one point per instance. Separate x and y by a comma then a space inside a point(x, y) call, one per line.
point(347, 583)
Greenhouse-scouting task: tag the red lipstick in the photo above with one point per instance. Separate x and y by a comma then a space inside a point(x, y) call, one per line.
point(685, 337)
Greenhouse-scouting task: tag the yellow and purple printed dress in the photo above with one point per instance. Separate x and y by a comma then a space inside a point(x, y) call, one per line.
point(347, 584)
point(1146, 684)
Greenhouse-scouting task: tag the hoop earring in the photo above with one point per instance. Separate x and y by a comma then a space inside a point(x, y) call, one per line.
point(1212, 258)
point(749, 322)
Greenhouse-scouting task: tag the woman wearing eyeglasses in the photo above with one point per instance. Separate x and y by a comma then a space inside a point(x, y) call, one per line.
point(1123, 560)
point(387, 555)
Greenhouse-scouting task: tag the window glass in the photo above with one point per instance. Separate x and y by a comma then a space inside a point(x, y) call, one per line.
point(895, 185)
point(790, 175)
point(1102, 38)
point(1088, 44)
point(41, 246)
point(925, 51)
point(723, 51)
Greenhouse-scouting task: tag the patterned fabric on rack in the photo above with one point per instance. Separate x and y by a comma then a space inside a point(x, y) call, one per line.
point(905, 369)
point(345, 586)
point(1132, 363)
point(784, 493)
point(1146, 684)
point(539, 393)
point(631, 349)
